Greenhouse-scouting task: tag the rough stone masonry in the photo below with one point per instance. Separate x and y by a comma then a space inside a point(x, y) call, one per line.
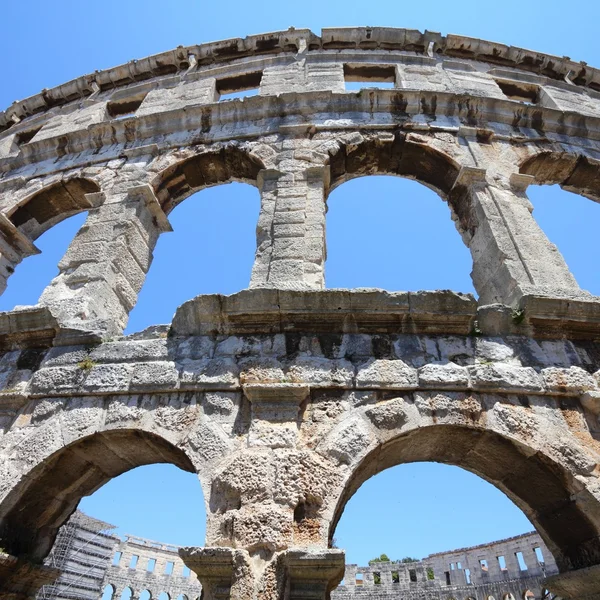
point(285, 397)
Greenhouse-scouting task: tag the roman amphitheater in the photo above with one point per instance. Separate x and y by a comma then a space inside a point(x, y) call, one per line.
point(285, 397)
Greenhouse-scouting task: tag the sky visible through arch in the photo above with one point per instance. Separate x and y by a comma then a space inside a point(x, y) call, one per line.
point(382, 232)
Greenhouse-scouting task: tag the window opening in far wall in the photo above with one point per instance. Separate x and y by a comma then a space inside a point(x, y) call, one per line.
point(521, 561)
point(539, 555)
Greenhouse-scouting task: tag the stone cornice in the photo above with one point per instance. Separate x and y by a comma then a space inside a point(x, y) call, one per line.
point(183, 59)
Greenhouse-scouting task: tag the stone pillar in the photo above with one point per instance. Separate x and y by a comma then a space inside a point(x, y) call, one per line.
point(291, 248)
point(21, 580)
point(312, 575)
point(14, 247)
point(223, 572)
point(512, 257)
point(105, 266)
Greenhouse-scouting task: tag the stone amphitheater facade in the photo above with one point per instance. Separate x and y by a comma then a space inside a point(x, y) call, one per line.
point(285, 397)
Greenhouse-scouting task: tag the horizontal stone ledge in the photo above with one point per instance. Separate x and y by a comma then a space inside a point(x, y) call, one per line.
point(239, 119)
point(367, 39)
point(550, 317)
point(267, 311)
point(53, 387)
point(36, 327)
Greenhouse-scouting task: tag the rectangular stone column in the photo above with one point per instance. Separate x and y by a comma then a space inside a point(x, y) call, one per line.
point(291, 248)
point(512, 257)
point(312, 575)
point(105, 266)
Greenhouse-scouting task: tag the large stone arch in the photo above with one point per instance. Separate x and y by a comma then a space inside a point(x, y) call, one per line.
point(573, 172)
point(46, 495)
point(410, 156)
point(565, 512)
point(205, 169)
point(45, 208)
point(38, 212)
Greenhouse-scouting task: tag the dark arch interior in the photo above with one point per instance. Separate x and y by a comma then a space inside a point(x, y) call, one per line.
point(577, 174)
point(400, 155)
point(50, 206)
point(204, 170)
point(35, 510)
point(565, 515)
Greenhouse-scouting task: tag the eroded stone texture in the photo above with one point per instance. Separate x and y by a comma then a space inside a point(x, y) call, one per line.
point(285, 397)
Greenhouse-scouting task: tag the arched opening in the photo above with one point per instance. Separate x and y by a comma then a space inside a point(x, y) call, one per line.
point(46, 208)
point(34, 274)
point(145, 595)
point(108, 592)
point(565, 515)
point(41, 502)
point(144, 504)
point(393, 233)
point(164, 596)
point(127, 594)
point(417, 509)
point(212, 247)
point(385, 216)
point(211, 250)
point(181, 180)
point(528, 595)
point(54, 216)
point(565, 184)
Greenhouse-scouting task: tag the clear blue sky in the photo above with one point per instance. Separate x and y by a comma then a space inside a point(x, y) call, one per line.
point(382, 231)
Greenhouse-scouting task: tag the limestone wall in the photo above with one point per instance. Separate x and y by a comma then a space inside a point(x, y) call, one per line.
point(146, 566)
point(477, 572)
point(286, 397)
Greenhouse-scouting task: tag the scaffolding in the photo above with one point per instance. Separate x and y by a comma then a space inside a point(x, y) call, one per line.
point(82, 552)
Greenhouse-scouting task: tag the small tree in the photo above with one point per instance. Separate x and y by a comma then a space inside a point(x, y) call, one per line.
point(381, 558)
point(430, 574)
point(408, 559)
